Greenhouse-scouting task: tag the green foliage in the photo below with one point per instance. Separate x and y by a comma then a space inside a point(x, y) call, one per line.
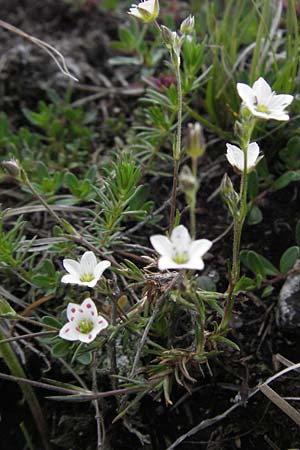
point(118, 198)
point(289, 258)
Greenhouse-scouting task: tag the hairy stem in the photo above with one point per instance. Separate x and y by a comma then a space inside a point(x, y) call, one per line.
point(177, 148)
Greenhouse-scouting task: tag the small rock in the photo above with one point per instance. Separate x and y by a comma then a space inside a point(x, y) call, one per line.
point(288, 308)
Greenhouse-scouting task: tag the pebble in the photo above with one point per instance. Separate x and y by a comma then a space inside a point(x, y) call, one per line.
point(288, 308)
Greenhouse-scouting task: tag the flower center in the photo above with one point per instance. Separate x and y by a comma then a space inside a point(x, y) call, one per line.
point(181, 258)
point(85, 326)
point(86, 277)
point(262, 108)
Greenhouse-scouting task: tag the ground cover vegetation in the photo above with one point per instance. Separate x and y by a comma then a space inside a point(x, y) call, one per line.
point(149, 225)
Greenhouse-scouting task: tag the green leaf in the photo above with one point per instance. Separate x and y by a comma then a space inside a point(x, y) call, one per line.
point(286, 179)
point(254, 216)
point(269, 268)
point(267, 291)
point(227, 341)
point(289, 258)
point(252, 260)
point(206, 283)
point(244, 284)
point(61, 349)
point(85, 358)
point(5, 309)
point(47, 320)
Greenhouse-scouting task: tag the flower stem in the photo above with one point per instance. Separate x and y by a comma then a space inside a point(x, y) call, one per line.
point(239, 220)
point(177, 147)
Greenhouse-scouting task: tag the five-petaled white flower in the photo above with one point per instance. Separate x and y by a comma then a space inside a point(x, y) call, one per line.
point(263, 102)
point(146, 11)
point(86, 272)
point(84, 323)
point(236, 157)
point(180, 251)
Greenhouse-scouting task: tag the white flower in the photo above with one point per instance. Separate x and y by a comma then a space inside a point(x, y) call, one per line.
point(86, 272)
point(263, 102)
point(84, 323)
point(180, 251)
point(146, 11)
point(235, 157)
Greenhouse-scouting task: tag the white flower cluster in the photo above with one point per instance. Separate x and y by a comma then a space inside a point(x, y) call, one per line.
point(263, 103)
point(84, 323)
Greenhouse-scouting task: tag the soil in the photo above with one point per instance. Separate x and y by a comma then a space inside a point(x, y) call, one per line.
point(26, 72)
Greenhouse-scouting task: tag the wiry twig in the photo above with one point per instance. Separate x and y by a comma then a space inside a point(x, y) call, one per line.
point(98, 417)
point(26, 336)
point(208, 422)
point(55, 54)
point(149, 324)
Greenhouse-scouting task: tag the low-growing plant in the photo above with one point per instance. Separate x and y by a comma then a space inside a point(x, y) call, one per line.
point(147, 325)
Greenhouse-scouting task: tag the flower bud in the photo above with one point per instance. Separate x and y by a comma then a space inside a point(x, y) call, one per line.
point(230, 196)
point(195, 140)
point(169, 37)
point(187, 182)
point(188, 25)
point(12, 166)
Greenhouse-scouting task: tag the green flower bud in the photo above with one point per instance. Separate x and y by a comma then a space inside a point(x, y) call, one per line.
point(229, 195)
point(187, 182)
point(195, 140)
point(188, 25)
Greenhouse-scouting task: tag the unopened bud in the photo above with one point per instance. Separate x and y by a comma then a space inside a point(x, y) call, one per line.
point(188, 25)
point(187, 182)
point(12, 166)
point(168, 36)
point(230, 196)
point(196, 142)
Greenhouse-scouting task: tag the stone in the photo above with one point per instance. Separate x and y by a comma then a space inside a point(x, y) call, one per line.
point(288, 308)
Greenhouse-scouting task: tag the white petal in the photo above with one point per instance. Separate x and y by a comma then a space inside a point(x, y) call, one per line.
point(162, 244)
point(279, 116)
point(92, 283)
point(68, 332)
point(148, 6)
point(246, 93)
point(195, 263)
point(199, 248)
point(88, 262)
point(262, 91)
point(73, 279)
point(100, 267)
point(166, 262)
point(280, 102)
point(100, 324)
point(181, 239)
point(71, 266)
point(90, 309)
point(235, 156)
point(261, 115)
point(87, 337)
point(252, 154)
point(72, 310)
point(133, 11)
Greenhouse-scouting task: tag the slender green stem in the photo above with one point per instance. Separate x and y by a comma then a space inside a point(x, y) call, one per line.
point(238, 226)
point(9, 356)
point(63, 223)
point(177, 147)
point(193, 200)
